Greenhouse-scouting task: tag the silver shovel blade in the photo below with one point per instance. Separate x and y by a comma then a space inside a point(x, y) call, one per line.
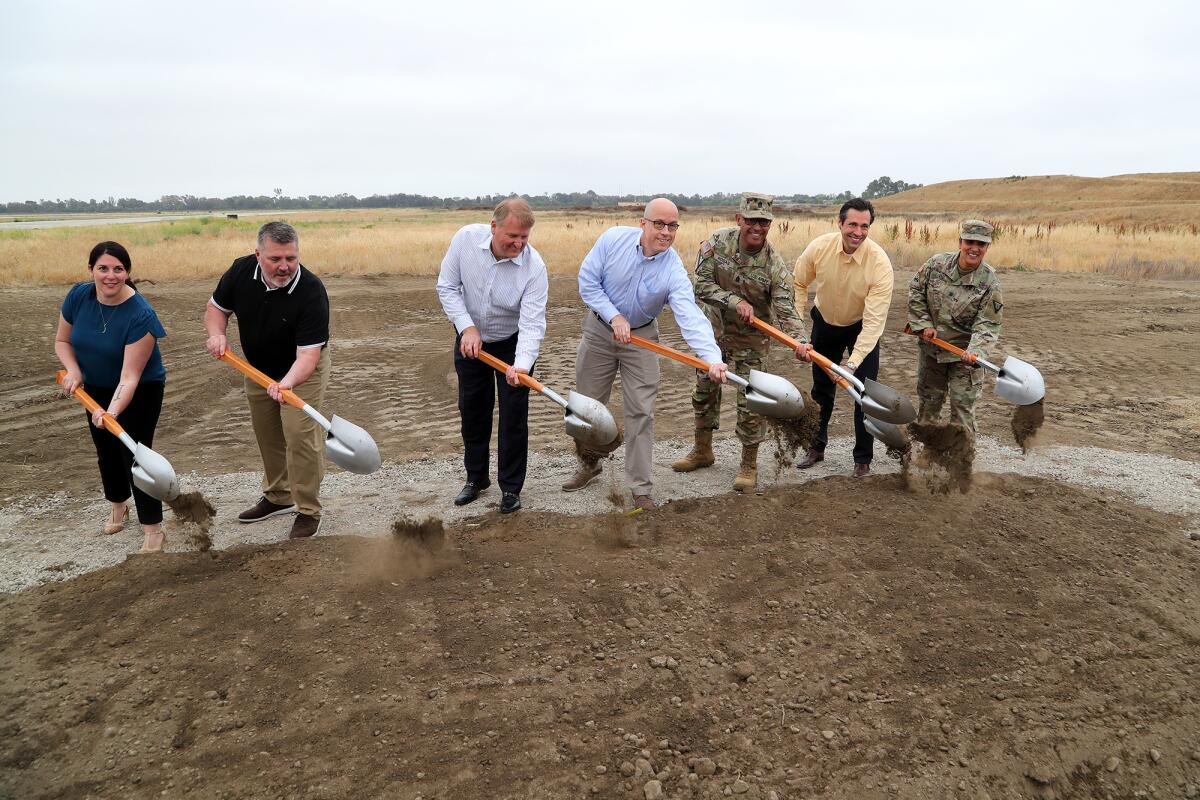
point(1020, 383)
point(886, 404)
point(887, 433)
point(351, 448)
point(589, 421)
point(773, 396)
point(154, 475)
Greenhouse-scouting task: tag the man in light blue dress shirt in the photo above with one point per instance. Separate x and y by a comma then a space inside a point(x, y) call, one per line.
point(493, 287)
point(626, 280)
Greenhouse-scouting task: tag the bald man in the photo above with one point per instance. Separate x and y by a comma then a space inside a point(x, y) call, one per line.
point(626, 280)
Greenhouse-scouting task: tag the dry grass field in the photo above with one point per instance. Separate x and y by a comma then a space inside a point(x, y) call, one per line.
point(412, 242)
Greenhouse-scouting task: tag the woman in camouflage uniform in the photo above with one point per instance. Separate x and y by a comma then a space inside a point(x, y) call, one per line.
point(956, 297)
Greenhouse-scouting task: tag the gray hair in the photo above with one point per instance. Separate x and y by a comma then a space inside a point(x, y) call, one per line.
point(279, 233)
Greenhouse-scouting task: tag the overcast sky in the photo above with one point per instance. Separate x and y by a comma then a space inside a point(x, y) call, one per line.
point(215, 98)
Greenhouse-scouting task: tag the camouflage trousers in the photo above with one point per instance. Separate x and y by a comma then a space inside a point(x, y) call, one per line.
point(937, 380)
point(706, 398)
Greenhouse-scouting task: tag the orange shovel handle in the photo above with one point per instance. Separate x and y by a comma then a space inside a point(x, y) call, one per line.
point(670, 352)
point(942, 343)
point(500, 366)
point(787, 341)
point(110, 422)
point(261, 378)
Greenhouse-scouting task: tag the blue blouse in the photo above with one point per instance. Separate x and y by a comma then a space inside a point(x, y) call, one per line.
point(99, 334)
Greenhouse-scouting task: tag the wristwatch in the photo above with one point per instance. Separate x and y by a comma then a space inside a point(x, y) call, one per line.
point(850, 365)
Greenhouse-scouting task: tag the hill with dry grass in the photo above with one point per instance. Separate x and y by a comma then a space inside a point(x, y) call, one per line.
point(1167, 198)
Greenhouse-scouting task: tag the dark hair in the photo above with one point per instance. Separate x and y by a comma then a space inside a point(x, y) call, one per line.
point(117, 251)
point(858, 204)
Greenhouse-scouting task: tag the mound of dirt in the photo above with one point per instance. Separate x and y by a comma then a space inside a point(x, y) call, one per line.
point(842, 639)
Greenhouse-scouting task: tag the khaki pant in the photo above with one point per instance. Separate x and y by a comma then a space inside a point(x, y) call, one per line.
point(596, 366)
point(292, 444)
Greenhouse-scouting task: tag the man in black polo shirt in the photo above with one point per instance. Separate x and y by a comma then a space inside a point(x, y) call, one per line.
point(283, 321)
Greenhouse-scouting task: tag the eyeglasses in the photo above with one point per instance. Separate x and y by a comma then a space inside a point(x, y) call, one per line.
point(757, 223)
point(659, 224)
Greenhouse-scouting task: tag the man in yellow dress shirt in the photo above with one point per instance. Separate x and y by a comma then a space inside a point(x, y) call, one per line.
point(851, 278)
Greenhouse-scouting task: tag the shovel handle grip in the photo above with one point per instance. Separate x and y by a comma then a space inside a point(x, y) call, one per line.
point(788, 341)
point(670, 352)
point(500, 366)
point(969, 358)
point(261, 378)
point(110, 422)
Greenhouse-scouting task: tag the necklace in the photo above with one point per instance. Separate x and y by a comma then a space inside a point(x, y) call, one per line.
point(104, 322)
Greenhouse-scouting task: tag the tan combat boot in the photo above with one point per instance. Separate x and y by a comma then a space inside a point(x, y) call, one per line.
point(700, 456)
point(747, 477)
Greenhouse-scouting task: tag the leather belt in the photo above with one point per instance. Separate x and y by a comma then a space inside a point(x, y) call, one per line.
point(605, 324)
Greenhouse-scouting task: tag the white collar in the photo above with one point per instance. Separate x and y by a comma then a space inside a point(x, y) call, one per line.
point(290, 286)
point(518, 259)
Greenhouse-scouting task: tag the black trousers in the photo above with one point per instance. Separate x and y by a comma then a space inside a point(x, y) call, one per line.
point(139, 419)
point(832, 341)
point(478, 386)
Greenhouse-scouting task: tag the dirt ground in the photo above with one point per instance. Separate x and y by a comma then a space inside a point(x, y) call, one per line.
point(841, 639)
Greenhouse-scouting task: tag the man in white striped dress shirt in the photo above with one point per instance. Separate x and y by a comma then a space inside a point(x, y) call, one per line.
point(493, 288)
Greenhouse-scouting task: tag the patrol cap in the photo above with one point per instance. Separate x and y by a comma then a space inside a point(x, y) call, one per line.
point(976, 230)
point(756, 206)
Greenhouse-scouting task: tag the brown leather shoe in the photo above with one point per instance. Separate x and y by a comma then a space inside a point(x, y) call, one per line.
point(304, 526)
point(643, 502)
point(862, 470)
point(810, 458)
point(263, 509)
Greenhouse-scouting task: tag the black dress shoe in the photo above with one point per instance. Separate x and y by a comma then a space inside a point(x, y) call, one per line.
point(470, 491)
point(510, 502)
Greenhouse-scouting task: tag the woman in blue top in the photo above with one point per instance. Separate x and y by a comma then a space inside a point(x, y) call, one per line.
point(108, 341)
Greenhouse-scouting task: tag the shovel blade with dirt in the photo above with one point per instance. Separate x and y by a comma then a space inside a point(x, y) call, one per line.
point(1018, 382)
point(351, 447)
point(585, 419)
point(877, 400)
point(771, 395)
point(766, 393)
point(346, 444)
point(151, 472)
point(888, 434)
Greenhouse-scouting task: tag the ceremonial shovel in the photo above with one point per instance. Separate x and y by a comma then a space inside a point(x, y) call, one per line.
point(346, 444)
point(151, 472)
point(878, 402)
point(1017, 381)
point(586, 419)
point(766, 394)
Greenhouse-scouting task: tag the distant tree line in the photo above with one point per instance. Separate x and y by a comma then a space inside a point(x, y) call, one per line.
point(883, 186)
point(186, 202)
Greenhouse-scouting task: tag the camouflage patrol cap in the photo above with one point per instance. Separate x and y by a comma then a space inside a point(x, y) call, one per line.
point(976, 230)
point(756, 206)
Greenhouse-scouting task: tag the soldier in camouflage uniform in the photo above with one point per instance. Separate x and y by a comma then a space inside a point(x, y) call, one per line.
point(739, 275)
point(956, 297)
